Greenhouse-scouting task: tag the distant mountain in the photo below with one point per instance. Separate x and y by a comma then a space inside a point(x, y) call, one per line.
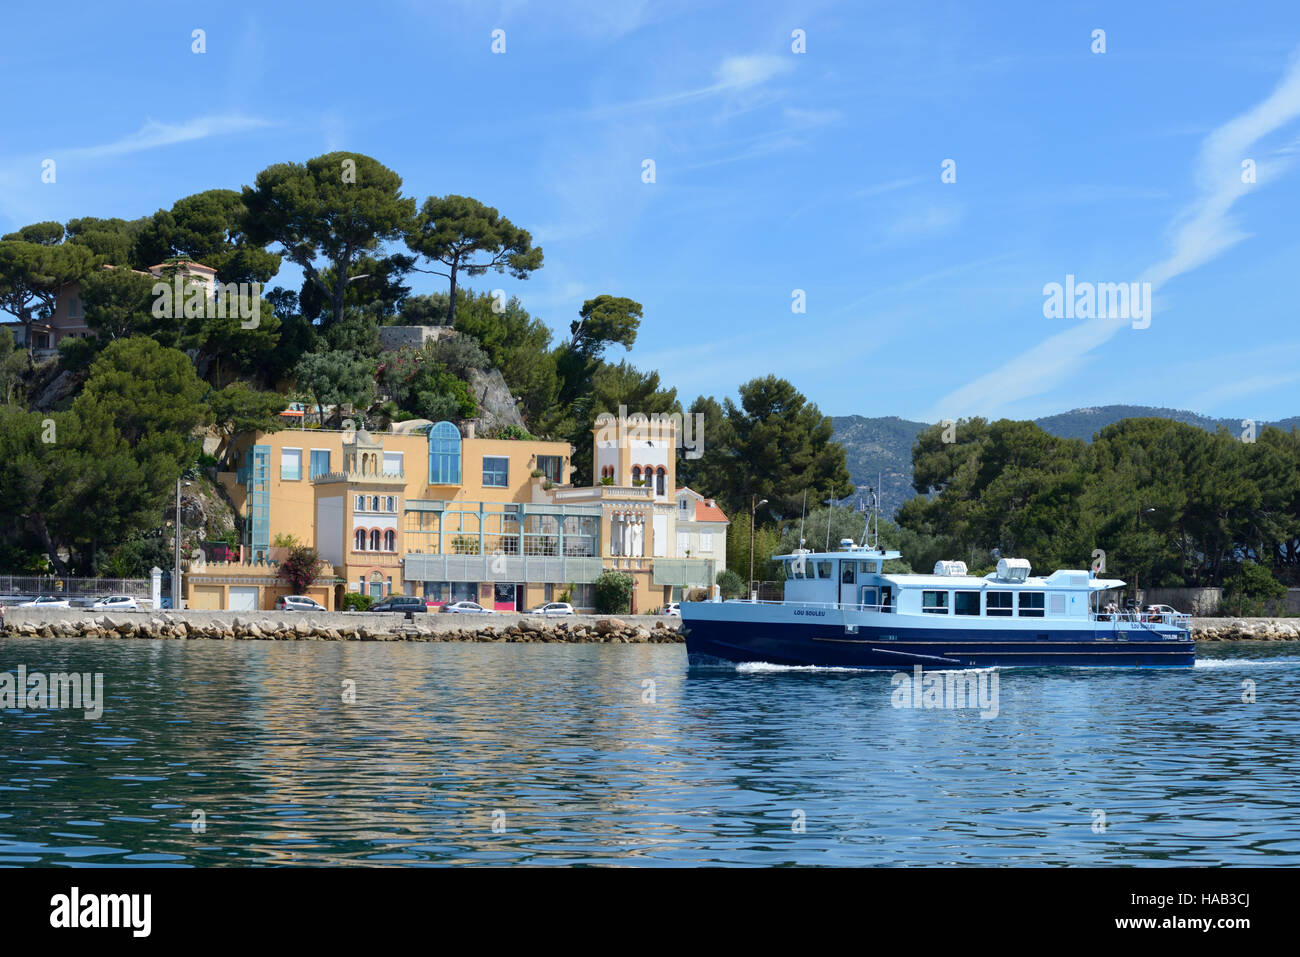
point(883, 446)
point(879, 447)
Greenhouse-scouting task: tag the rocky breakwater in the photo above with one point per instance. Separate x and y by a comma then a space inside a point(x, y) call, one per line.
point(253, 627)
point(1246, 629)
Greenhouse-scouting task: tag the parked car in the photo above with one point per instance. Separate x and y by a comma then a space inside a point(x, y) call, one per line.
point(400, 603)
point(467, 608)
point(297, 603)
point(553, 608)
point(116, 603)
point(46, 601)
point(86, 603)
point(672, 608)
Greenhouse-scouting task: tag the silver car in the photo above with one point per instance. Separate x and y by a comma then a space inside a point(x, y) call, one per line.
point(297, 603)
point(46, 601)
point(467, 608)
point(116, 603)
point(553, 608)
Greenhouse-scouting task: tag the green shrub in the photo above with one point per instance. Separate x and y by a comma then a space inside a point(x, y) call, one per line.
point(509, 432)
point(460, 353)
point(732, 585)
point(614, 593)
point(1249, 590)
point(356, 601)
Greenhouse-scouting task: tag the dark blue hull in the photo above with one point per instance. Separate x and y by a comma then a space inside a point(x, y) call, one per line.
point(711, 641)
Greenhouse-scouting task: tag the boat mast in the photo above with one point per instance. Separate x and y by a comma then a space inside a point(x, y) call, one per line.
point(801, 517)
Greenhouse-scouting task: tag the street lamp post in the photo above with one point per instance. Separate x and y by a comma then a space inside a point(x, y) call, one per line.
point(176, 568)
point(753, 507)
point(1137, 600)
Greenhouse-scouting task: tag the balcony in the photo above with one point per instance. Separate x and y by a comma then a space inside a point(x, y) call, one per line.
point(501, 568)
point(687, 572)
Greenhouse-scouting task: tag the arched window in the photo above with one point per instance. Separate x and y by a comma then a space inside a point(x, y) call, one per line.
point(374, 503)
point(392, 503)
point(661, 477)
point(361, 540)
point(390, 541)
point(374, 539)
point(444, 454)
point(636, 474)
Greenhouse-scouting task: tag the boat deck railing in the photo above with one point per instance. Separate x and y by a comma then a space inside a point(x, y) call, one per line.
point(1173, 619)
point(832, 605)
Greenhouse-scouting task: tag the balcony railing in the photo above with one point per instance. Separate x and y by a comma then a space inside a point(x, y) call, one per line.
point(501, 568)
point(692, 572)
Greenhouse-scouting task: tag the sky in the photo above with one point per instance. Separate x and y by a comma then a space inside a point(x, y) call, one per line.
point(915, 175)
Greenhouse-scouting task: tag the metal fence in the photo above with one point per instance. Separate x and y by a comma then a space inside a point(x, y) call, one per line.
point(21, 586)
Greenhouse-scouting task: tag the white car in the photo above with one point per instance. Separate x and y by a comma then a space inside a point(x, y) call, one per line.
point(467, 608)
point(673, 608)
point(553, 608)
point(116, 603)
point(298, 603)
point(46, 601)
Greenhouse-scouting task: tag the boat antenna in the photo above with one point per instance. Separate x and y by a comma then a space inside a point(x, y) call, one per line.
point(801, 517)
point(830, 503)
point(872, 509)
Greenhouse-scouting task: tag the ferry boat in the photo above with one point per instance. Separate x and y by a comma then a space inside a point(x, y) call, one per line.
point(841, 609)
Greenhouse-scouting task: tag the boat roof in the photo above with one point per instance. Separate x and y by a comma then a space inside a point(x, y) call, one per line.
point(971, 582)
point(856, 552)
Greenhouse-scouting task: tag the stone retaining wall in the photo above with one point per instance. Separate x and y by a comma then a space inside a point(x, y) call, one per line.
point(1246, 629)
point(341, 626)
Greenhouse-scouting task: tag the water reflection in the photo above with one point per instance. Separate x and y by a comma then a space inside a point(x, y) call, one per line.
point(564, 755)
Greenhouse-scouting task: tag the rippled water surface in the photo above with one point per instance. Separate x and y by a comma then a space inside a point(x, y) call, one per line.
point(471, 753)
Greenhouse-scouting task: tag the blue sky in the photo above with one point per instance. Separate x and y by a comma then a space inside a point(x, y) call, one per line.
point(774, 171)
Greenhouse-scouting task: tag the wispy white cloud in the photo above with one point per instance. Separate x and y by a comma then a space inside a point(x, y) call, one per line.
point(20, 174)
point(878, 189)
point(921, 222)
point(153, 135)
point(1202, 231)
point(735, 74)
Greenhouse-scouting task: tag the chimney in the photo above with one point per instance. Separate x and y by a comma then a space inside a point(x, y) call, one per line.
point(469, 430)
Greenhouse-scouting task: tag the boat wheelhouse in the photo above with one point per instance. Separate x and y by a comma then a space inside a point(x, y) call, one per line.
point(843, 608)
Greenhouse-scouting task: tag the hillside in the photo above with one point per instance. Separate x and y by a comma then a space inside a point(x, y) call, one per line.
point(883, 445)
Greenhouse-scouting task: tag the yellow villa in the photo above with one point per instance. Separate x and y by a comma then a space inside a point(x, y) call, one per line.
point(450, 517)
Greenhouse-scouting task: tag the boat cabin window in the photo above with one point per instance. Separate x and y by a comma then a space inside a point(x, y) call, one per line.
point(966, 603)
point(847, 573)
point(1030, 604)
point(934, 602)
point(998, 604)
point(824, 569)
